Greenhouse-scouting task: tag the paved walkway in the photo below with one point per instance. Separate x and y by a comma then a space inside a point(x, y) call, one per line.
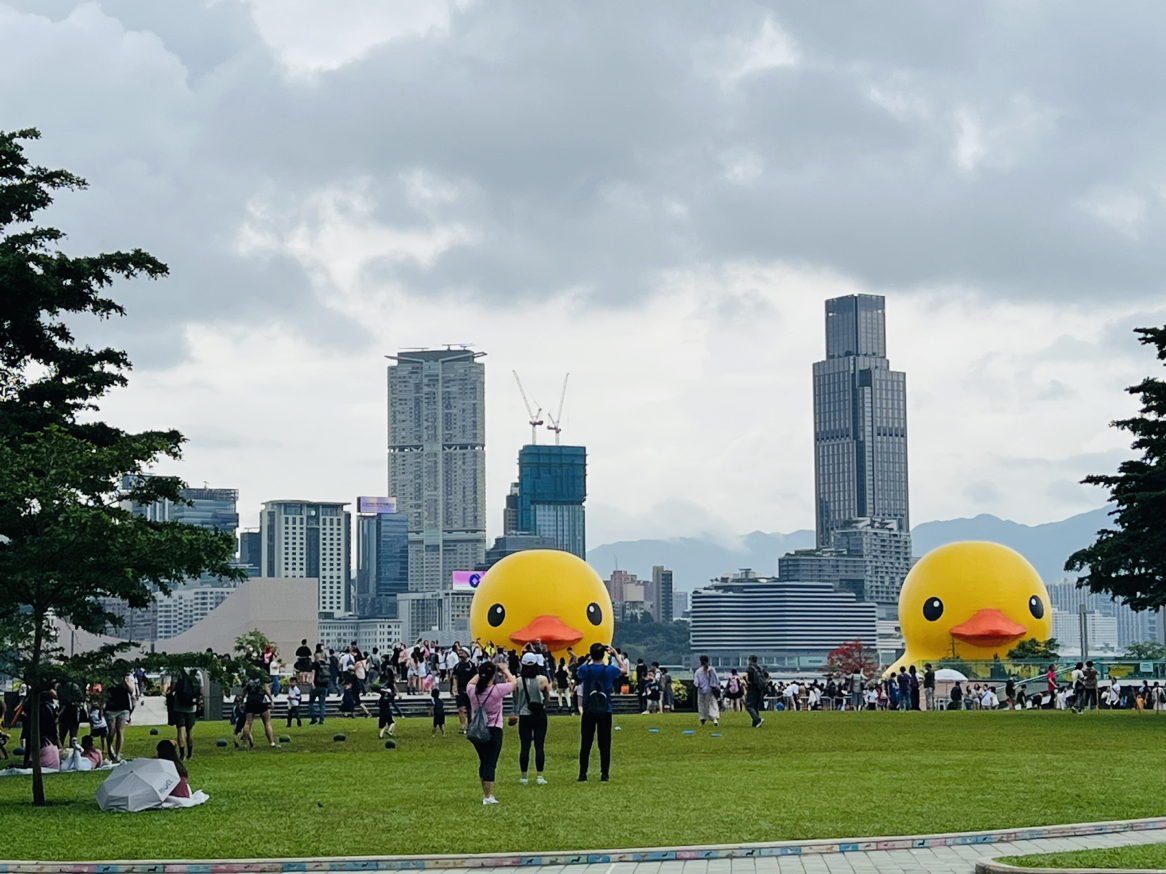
point(939, 860)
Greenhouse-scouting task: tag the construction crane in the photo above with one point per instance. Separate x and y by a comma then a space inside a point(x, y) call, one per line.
point(557, 418)
point(535, 415)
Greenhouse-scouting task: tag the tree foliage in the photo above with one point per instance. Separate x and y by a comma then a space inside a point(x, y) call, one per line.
point(852, 657)
point(253, 641)
point(1036, 649)
point(663, 642)
point(1146, 651)
point(1129, 560)
point(67, 536)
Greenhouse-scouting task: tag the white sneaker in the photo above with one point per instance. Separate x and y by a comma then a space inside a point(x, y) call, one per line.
point(489, 799)
point(541, 781)
point(523, 780)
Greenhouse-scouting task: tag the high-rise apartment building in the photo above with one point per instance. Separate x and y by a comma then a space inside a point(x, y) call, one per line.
point(251, 551)
point(662, 589)
point(309, 539)
point(437, 460)
point(552, 486)
point(860, 420)
point(382, 563)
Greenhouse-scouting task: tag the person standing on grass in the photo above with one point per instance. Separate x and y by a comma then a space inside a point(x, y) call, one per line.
point(668, 694)
point(707, 687)
point(1089, 677)
point(460, 676)
point(904, 684)
point(598, 686)
point(563, 687)
point(187, 694)
point(929, 686)
point(1051, 682)
point(388, 694)
point(121, 705)
point(913, 684)
point(1010, 692)
point(530, 703)
point(294, 696)
point(258, 702)
point(957, 696)
point(318, 696)
point(438, 707)
point(486, 694)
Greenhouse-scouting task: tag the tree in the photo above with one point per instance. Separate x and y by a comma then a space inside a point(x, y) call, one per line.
point(852, 657)
point(1146, 651)
point(1129, 560)
point(1032, 648)
point(67, 537)
point(663, 642)
point(253, 641)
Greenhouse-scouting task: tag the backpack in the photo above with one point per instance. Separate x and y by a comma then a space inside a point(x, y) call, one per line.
point(478, 731)
point(533, 704)
point(734, 685)
point(185, 692)
point(597, 700)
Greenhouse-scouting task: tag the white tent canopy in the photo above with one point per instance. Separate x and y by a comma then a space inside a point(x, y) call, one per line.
point(949, 675)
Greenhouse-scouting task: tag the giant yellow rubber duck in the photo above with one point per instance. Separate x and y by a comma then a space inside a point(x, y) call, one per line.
point(972, 600)
point(542, 595)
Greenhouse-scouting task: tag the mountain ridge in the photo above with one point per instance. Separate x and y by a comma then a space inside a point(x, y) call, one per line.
point(696, 560)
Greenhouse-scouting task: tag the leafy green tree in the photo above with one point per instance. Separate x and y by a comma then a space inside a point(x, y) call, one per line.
point(1146, 651)
point(663, 642)
point(1129, 560)
point(67, 537)
point(253, 641)
point(1036, 649)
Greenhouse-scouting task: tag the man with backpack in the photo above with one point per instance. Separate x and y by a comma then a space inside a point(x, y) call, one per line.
point(598, 679)
point(186, 690)
point(754, 691)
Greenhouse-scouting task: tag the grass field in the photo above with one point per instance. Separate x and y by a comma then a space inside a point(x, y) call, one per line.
point(1148, 856)
point(802, 775)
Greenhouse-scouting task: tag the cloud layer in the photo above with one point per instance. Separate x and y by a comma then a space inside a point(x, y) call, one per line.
point(656, 198)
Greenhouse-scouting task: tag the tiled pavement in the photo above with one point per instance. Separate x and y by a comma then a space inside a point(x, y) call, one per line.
point(940, 860)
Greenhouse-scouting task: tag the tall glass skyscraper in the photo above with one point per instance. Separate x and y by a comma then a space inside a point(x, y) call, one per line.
point(437, 460)
point(382, 563)
point(860, 421)
point(552, 486)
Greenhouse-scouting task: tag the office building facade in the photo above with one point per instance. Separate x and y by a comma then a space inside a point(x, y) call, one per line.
point(860, 421)
point(382, 563)
point(786, 624)
point(209, 508)
point(512, 543)
point(310, 539)
point(662, 588)
point(437, 460)
point(552, 487)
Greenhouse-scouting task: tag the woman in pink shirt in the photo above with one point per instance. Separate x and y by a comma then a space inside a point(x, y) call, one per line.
point(487, 694)
point(167, 751)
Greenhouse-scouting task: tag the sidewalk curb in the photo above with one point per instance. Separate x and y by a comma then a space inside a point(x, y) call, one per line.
point(991, 866)
point(592, 857)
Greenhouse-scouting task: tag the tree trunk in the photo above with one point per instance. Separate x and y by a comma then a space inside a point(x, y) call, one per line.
point(32, 700)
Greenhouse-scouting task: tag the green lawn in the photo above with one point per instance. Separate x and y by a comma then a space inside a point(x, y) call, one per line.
point(802, 775)
point(1151, 856)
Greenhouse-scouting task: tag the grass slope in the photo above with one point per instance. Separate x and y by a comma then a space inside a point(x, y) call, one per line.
point(802, 775)
point(1146, 856)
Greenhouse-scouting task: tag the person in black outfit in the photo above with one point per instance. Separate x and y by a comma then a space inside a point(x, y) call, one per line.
point(318, 697)
point(598, 680)
point(754, 691)
point(459, 677)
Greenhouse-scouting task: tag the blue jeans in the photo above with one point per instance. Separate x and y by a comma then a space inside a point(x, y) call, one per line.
point(274, 685)
point(317, 704)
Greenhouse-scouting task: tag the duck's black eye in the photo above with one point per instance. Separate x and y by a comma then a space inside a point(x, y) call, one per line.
point(496, 615)
point(932, 609)
point(594, 613)
point(1036, 607)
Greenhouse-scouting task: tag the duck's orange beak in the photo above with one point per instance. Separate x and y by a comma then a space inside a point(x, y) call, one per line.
point(989, 627)
point(551, 630)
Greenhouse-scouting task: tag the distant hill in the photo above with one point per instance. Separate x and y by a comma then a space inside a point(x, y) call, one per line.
point(694, 561)
point(1045, 546)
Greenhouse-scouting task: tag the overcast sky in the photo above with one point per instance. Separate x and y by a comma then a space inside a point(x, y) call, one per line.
point(656, 198)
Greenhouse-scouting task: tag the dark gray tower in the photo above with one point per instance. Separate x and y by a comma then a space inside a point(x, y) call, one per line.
point(860, 421)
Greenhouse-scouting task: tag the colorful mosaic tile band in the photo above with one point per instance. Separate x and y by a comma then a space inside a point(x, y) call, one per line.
point(604, 857)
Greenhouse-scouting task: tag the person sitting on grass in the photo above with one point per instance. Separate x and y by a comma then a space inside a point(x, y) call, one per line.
point(438, 707)
point(167, 751)
point(89, 751)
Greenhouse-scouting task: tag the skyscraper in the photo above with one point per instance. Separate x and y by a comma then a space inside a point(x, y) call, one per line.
point(552, 486)
point(382, 563)
point(860, 421)
point(209, 508)
point(437, 460)
point(307, 539)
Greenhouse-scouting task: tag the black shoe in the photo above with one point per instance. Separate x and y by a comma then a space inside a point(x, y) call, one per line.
point(582, 778)
point(603, 779)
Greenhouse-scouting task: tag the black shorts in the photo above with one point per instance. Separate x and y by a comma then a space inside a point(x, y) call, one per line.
point(184, 720)
point(385, 720)
point(256, 709)
point(439, 720)
point(463, 701)
point(99, 732)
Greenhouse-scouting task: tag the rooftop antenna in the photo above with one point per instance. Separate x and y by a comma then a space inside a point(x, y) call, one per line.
point(557, 418)
point(535, 415)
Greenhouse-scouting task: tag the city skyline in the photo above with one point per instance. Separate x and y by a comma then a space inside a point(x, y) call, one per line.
point(665, 230)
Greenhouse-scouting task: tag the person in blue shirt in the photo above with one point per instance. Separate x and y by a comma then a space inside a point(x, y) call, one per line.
point(598, 679)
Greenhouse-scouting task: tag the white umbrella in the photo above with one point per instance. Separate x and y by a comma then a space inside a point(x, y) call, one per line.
point(137, 785)
point(949, 675)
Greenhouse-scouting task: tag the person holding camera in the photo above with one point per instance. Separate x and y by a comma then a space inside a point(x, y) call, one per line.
point(598, 679)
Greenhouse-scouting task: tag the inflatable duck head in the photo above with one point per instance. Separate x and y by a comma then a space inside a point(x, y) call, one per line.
point(972, 600)
point(542, 595)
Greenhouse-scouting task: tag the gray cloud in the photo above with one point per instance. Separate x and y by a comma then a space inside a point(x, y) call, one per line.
point(595, 147)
